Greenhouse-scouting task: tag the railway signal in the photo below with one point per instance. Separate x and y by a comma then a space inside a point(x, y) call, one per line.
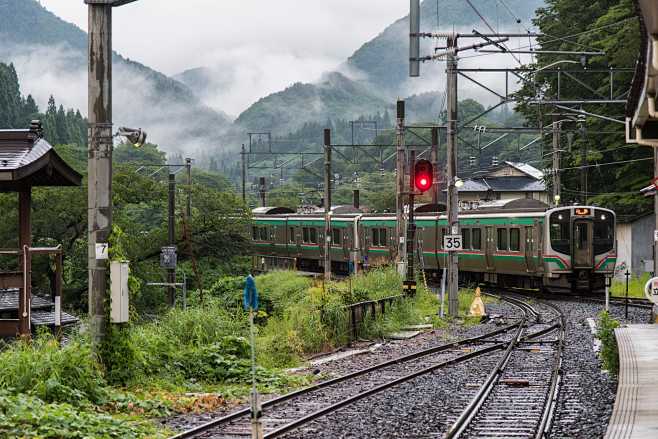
point(424, 175)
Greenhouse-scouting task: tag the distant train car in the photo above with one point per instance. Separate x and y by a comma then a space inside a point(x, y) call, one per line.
point(517, 243)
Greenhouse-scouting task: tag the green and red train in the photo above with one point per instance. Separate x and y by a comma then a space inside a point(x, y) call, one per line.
point(570, 248)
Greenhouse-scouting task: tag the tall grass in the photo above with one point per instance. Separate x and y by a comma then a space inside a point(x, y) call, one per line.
point(52, 373)
point(635, 286)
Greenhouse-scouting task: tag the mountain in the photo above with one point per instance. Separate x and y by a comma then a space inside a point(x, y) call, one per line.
point(385, 59)
point(50, 56)
point(334, 97)
point(380, 68)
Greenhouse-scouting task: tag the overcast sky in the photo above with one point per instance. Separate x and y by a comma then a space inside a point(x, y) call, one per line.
point(174, 35)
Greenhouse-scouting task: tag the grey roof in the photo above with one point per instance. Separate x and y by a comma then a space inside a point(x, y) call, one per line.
point(503, 184)
point(27, 160)
point(527, 169)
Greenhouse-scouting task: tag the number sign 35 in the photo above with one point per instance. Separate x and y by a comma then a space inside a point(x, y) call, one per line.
point(452, 242)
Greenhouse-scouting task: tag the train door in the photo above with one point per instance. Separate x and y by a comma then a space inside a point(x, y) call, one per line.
point(490, 247)
point(530, 244)
point(582, 247)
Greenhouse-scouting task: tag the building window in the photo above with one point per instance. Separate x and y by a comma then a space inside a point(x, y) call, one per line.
point(515, 240)
point(502, 239)
point(476, 239)
point(335, 237)
point(466, 239)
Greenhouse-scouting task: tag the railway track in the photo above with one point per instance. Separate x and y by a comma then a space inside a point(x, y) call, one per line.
point(517, 400)
point(294, 410)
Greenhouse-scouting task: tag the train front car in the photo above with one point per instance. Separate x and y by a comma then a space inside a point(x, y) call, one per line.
point(580, 251)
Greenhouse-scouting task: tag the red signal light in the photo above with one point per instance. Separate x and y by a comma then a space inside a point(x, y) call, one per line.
point(423, 175)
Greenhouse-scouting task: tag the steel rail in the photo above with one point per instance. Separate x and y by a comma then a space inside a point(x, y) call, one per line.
point(556, 378)
point(472, 408)
point(201, 429)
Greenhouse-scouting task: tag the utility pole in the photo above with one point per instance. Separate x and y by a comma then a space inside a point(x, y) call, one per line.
point(655, 209)
point(244, 175)
point(557, 126)
point(453, 197)
point(188, 169)
point(99, 164)
point(400, 161)
point(435, 163)
point(171, 272)
point(262, 190)
point(327, 204)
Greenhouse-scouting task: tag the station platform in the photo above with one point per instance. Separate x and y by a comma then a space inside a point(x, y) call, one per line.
point(635, 414)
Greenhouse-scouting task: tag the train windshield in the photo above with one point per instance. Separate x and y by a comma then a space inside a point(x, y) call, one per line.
point(604, 231)
point(560, 231)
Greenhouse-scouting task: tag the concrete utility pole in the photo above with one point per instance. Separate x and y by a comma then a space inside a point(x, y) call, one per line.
point(400, 173)
point(244, 175)
point(327, 204)
point(171, 272)
point(557, 126)
point(453, 198)
point(99, 164)
point(262, 190)
point(655, 209)
point(188, 170)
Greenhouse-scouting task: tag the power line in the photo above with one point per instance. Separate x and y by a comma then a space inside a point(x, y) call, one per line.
point(605, 164)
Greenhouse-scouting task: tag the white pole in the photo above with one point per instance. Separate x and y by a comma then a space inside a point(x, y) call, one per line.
point(607, 294)
point(443, 293)
point(256, 426)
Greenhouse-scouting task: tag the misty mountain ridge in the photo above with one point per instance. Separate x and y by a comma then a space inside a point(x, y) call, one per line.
point(50, 56)
point(378, 72)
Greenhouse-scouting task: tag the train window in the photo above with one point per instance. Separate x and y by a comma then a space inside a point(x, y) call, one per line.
point(502, 239)
point(262, 234)
point(254, 233)
point(305, 235)
point(335, 237)
point(444, 232)
point(466, 239)
point(291, 235)
point(314, 235)
point(476, 239)
point(604, 232)
point(379, 238)
point(514, 240)
point(560, 233)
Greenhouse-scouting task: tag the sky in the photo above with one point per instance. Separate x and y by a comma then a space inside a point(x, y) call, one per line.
point(270, 44)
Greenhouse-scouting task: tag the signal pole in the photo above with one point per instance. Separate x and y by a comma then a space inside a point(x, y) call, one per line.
point(557, 126)
point(400, 169)
point(453, 197)
point(327, 204)
point(411, 225)
point(435, 163)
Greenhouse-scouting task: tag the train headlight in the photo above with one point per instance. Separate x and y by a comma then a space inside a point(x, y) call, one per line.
point(560, 217)
point(603, 217)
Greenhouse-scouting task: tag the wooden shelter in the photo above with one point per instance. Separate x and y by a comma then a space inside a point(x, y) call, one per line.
point(27, 160)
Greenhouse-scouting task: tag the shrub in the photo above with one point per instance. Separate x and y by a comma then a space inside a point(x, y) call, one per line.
point(55, 374)
point(606, 333)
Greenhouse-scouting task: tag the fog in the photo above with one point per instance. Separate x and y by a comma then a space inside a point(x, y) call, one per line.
point(255, 47)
